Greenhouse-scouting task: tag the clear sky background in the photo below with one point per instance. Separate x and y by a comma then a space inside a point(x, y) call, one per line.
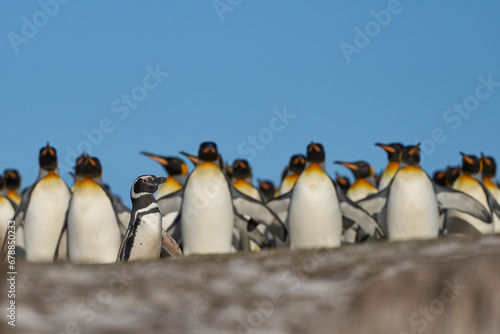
point(232, 65)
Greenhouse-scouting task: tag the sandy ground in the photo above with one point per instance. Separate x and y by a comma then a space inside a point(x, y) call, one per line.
point(443, 286)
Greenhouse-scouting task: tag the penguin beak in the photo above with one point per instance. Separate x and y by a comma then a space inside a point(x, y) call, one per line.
point(467, 159)
point(159, 180)
point(191, 157)
point(347, 164)
point(156, 158)
point(387, 148)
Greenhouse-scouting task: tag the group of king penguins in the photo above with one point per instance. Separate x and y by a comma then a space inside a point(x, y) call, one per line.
point(215, 208)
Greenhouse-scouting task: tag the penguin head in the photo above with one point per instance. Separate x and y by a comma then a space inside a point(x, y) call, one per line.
point(343, 182)
point(471, 164)
point(12, 179)
point(360, 169)
point(410, 155)
point(268, 189)
point(241, 169)
point(48, 158)
point(315, 153)
point(208, 151)
point(489, 166)
point(173, 166)
point(145, 184)
point(297, 163)
point(90, 167)
point(392, 150)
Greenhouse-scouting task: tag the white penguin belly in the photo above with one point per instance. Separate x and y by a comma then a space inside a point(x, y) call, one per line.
point(93, 232)
point(44, 219)
point(460, 222)
point(207, 212)
point(6, 214)
point(314, 218)
point(147, 241)
point(412, 210)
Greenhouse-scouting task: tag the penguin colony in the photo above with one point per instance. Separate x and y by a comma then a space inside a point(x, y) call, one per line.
point(215, 208)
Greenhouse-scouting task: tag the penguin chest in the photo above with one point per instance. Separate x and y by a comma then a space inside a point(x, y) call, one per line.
point(147, 238)
point(360, 189)
point(207, 212)
point(93, 232)
point(314, 218)
point(6, 213)
point(412, 210)
point(460, 222)
point(44, 218)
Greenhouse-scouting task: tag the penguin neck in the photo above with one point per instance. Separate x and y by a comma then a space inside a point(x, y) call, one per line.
point(321, 164)
point(181, 178)
point(476, 176)
point(142, 201)
point(44, 172)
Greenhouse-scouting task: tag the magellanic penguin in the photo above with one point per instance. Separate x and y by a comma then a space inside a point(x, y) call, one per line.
point(292, 172)
point(177, 173)
point(364, 180)
point(43, 209)
point(412, 201)
point(209, 206)
point(470, 182)
point(490, 182)
point(13, 185)
point(7, 210)
point(145, 236)
point(95, 221)
point(316, 207)
point(393, 151)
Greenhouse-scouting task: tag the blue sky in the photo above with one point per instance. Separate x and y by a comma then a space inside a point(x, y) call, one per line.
point(225, 70)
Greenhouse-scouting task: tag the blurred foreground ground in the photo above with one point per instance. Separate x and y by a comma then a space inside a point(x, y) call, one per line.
point(444, 286)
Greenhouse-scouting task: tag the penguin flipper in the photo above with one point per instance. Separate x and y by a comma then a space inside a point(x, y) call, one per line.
point(170, 245)
point(122, 213)
point(241, 223)
point(452, 199)
point(171, 202)
point(280, 205)
point(61, 252)
point(493, 204)
point(260, 213)
point(375, 203)
point(353, 212)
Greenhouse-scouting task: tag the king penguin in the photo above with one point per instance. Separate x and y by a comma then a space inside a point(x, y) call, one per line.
point(208, 206)
point(393, 151)
point(316, 207)
point(412, 201)
point(144, 237)
point(490, 183)
point(13, 185)
point(295, 167)
point(96, 220)
point(43, 209)
point(470, 182)
point(268, 189)
point(7, 210)
point(364, 180)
